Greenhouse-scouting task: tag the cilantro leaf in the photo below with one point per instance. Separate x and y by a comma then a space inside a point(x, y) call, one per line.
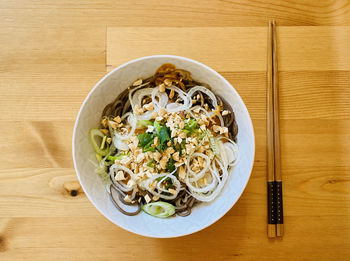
point(144, 139)
point(164, 135)
point(148, 147)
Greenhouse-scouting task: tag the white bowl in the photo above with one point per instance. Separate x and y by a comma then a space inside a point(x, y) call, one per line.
point(204, 214)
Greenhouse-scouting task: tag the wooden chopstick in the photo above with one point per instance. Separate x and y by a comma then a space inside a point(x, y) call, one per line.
point(274, 177)
point(271, 226)
point(277, 152)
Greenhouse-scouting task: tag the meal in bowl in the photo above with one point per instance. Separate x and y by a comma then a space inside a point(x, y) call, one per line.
point(165, 144)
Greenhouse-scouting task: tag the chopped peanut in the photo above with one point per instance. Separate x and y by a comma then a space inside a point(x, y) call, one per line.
point(154, 115)
point(104, 122)
point(172, 191)
point(225, 112)
point(119, 175)
point(105, 131)
point(162, 112)
point(117, 119)
point(162, 88)
point(182, 172)
point(170, 150)
point(127, 199)
point(168, 82)
point(147, 198)
point(149, 106)
point(173, 133)
point(137, 82)
point(113, 124)
point(172, 93)
point(138, 109)
point(176, 156)
point(155, 141)
point(216, 128)
point(182, 135)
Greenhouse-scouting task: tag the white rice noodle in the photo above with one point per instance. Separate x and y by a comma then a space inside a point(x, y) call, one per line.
point(222, 153)
point(163, 99)
point(137, 100)
point(205, 91)
point(174, 180)
point(200, 109)
point(175, 107)
point(120, 145)
point(132, 121)
point(230, 148)
point(212, 114)
point(202, 189)
point(120, 185)
point(234, 155)
point(131, 92)
point(145, 116)
point(190, 172)
point(140, 94)
point(211, 195)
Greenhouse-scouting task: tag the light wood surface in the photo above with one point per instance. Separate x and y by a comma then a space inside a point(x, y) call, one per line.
point(53, 52)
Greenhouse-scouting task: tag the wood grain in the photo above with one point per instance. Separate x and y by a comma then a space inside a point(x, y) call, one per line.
point(62, 238)
point(303, 94)
point(182, 13)
point(53, 52)
point(237, 48)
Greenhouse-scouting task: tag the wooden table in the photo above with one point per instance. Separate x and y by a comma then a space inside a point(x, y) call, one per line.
point(53, 52)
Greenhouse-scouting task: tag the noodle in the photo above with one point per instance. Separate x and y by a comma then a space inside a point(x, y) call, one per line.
point(170, 133)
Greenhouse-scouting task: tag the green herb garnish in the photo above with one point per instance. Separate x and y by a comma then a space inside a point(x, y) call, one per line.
point(170, 166)
point(144, 123)
point(191, 125)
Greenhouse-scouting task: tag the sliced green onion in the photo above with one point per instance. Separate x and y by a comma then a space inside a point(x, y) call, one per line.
point(119, 157)
point(92, 134)
point(144, 123)
point(214, 145)
point(159, 209)
point(103, 142)
point(98, 157)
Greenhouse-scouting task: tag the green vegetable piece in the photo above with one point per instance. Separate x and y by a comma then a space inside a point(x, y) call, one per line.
point(144, 123)
point(151, 163)
point(97, 133)
point(164, 135)
point(157, 126)
point(190, 126)
point(186, 131)
point(149, 147)
point(98, 157)
point(170, 166)
point(119, 157)
point(159, 209)
point(103, 142)
point(144, 139)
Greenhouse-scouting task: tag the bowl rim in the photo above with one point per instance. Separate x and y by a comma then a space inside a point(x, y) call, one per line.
point(122, 66)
